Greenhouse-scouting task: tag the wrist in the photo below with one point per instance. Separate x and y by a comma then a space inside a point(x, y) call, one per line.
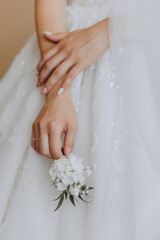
point(45, 46)
point(102, 28)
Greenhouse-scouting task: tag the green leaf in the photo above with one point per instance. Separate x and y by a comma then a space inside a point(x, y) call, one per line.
point(72, 199)
point(66, 195)
point(58, 197)
point(83, 199)
point(89, 195)
point(60, 202)
point(83, 187)
point(90, 188)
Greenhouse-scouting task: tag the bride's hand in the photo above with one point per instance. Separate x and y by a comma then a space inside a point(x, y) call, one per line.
point(73, 52)
point(56, 117)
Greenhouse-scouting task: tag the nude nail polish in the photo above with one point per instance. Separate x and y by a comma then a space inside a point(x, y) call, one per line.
point(44, 90)
point(48, 33)
point(60, 91)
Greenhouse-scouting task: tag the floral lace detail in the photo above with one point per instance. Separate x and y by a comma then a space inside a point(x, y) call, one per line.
point(100, 9)
point(104, 136)
point(93, 2)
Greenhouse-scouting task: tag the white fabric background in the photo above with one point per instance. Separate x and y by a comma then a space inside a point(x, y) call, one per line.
point(117, 104)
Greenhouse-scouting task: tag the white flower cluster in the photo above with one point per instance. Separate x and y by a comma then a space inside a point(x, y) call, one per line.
point(69, 175)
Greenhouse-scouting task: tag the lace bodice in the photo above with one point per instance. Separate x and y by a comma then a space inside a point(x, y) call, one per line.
point(96, 10)
point(99, 2)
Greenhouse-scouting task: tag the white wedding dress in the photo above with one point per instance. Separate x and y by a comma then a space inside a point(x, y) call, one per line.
point(127, 185)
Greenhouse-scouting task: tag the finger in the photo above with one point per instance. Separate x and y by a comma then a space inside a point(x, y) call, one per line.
point(36, 130)
point(32, 139)
point(46, 56)
point(56, 36)
point(69, 140)
point(55, 144)
point(50, 65)
point(44, 141)
point(73, 73)
point(60, 71)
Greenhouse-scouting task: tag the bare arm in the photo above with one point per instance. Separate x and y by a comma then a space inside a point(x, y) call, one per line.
point(58, 115)
point(50, 15)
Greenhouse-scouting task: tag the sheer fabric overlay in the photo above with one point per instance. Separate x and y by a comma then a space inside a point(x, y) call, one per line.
point(117, 105)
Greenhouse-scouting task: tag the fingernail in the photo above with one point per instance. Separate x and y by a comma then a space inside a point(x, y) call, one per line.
point(68, 152)
point(44, 90)
point(48, 33)
point(60, 91)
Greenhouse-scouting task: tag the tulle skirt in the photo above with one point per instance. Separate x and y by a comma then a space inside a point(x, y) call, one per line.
point(126, 193)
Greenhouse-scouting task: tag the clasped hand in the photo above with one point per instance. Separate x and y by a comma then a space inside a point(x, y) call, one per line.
point(73, 52)
point(58, 67)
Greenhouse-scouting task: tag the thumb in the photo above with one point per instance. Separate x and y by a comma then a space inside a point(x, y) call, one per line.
point(55, 37)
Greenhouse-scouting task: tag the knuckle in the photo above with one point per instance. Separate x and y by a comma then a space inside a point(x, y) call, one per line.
point(80, 58)
point(57, 72)
point(49, 84)
point(55, 154)
point(73, 55)
point(71, 76)
point(60, 44)
point(47, 66)
point(44, 56)
point(52, 124)
point(66, 84)
point(34, 125)
point(41, 124)
point(40, 79)
point(67, 48)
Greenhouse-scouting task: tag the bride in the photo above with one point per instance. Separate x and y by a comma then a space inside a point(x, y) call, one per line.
point(85, 82)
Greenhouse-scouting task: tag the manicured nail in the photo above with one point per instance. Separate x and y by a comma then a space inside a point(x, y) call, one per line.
point(68, 152)
point(48, 33)
point(44, 90)
point(60, 91)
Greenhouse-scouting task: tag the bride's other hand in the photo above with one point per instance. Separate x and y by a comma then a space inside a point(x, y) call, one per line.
point(56, 117)
point(73, 52)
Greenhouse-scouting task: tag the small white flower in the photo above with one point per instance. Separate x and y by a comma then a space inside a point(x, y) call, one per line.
point(68, 175)
point(74, 190)
point(60, 186)
point(94, 166)
point(67, 180)
point(88, 172)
